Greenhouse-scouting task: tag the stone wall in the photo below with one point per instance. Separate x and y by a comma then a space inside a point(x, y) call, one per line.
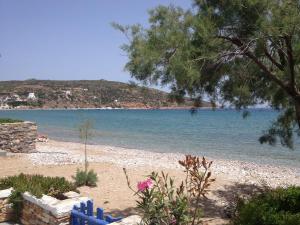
point(49, 210)
point(18, 137)
point(6, 211)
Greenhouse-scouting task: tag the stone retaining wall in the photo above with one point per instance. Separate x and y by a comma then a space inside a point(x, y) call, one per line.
point(6, 211)
point(18, 137)
point(49, 210)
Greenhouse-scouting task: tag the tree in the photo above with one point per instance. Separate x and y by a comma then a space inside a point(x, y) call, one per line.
point(85, 177)
point(237, 52)
point(85, 129)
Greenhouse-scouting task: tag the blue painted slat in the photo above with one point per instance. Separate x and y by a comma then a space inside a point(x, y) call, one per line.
point(84, 215)
point(82, 210)
point(74, 219)
point(90, 208)
point(100, 214)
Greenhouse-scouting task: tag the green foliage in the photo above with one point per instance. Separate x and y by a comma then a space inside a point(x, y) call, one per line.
point(8, 120)
point(160, 201)
point(277, 207)
point(85, 178)
point(235, 52)
point(17, 103)
point(37, 185)
point(164, 206)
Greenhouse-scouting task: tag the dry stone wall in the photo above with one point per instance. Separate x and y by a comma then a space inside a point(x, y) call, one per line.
point(6, 211)
point(49, 210)
point(18, 137)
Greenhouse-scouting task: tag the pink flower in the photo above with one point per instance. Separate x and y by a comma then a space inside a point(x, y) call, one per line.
point(143, 185)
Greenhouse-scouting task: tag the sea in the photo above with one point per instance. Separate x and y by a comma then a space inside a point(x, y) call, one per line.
point(221, 133)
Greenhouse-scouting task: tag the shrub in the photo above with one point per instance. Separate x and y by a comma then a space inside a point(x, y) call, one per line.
point(37, 185)
point(8, 120)
point(277, 207)
point(85, 178)
point(161, 202)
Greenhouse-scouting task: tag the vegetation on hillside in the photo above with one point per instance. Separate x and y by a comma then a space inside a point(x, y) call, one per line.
point(81, 94)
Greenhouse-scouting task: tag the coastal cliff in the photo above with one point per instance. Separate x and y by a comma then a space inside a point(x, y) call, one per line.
point(45, 94)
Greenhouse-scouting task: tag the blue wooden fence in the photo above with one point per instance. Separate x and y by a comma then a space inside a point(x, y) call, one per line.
point(85, 215)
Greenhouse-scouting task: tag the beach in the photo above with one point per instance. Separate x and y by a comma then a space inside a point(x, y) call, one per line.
point(233, 178)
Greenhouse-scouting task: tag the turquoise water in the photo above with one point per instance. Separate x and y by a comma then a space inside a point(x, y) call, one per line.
point(220, 133)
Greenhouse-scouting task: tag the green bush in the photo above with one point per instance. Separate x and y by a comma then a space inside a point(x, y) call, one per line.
point(275, 207)
point(8, 120)
point(37, 185)
point(84, 178)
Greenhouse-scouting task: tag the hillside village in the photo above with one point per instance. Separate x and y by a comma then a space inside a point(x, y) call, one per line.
point(31, 94)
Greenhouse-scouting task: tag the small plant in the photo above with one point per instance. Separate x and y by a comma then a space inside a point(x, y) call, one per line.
point(37, 185)
point(162, 203)
point(277, 207)
point(85, 129)
point(8, 120)
point(83, 178)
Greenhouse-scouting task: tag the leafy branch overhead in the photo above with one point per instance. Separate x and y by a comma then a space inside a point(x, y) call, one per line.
point(236, 52)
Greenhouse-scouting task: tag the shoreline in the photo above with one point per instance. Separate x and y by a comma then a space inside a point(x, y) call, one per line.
point(55, 153)
point(110, 108)
point(178, 153)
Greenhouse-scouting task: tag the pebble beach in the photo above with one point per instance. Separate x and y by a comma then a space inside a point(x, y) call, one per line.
point(233, 178)
point(64, 153)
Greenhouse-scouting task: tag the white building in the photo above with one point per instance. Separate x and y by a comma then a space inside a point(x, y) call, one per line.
point(4, 106)
point(68, 93)
point(31, 96)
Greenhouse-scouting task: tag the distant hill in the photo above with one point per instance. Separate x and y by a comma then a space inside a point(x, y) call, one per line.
point(82, 94)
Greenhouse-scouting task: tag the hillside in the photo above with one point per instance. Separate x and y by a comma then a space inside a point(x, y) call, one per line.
point(82, 94)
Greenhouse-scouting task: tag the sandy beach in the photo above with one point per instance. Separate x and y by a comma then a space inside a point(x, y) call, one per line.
point(233, 178)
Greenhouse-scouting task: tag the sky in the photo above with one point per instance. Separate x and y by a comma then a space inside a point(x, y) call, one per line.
point(68, 39)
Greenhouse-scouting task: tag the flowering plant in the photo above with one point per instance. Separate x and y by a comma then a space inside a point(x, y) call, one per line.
point(162, 203)
point(142, 186)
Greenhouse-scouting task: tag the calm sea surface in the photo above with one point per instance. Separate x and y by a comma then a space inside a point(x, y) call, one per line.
point(220, 133)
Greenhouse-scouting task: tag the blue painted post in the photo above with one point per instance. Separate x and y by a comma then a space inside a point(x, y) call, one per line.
point(82, 210)
point(74, 219)
point(100, 214)
point(90, 208)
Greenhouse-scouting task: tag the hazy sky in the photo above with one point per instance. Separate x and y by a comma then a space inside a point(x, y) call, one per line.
point(68, 39)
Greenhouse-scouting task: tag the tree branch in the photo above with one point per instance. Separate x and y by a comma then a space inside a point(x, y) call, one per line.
point(279, 66)
point(291, 62)
point(268, 73)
